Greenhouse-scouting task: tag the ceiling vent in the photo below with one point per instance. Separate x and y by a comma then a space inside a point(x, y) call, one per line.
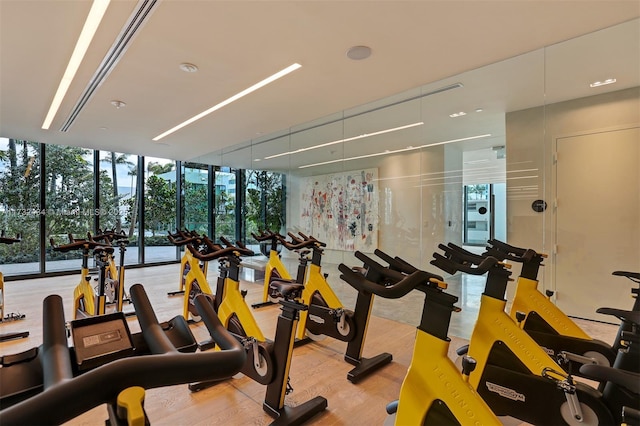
point(135, 22)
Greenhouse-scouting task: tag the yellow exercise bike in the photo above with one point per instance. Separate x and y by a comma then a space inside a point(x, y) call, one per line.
point(114, 272)
point(514, 375)
point(434, 391)
point(86, 302)
point(268, 362)
point(179, 239)
point(551, 327)
point(275, 269)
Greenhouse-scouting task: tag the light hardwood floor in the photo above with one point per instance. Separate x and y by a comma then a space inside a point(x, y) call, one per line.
point(317, 368)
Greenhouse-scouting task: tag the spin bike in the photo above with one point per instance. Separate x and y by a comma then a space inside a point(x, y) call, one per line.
point(275, 269)
point(326, 315)
point(433, 391)
point(268, 362)
point(53, 383)
point(179, 239)
point(10, 316)
point(547, 324)
point(86, 302)
point(514, 375)
point(114, 278)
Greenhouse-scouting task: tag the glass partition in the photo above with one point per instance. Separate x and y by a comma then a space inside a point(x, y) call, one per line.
point(20, 205)
point(406, 173)
point(590, 155)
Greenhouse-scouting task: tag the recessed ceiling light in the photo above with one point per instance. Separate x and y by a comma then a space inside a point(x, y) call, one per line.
point(187, 67)
point(457, 114)
point(358, 53)
point(118, 104)
point(479, 110)
point(603, 83)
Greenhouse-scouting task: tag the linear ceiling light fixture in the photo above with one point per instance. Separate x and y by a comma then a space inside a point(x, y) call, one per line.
point(395, 151)
point(138, 17)
point(98, 9)
point(365, 135)
point(603, 83)
point(233, 98)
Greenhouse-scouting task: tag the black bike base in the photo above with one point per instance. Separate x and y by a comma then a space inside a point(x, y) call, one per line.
point(366, 366)
point(296, 415)
point(198, 386)
point(263, 304)
point(11, 336)
point(301, 342)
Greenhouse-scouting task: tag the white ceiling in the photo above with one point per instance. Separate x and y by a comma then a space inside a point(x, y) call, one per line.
point(238, 43)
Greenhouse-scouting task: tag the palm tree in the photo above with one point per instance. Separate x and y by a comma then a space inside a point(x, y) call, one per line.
point(114, 160)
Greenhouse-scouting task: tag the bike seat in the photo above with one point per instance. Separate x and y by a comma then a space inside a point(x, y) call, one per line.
point(287, 290)
point(627, 379)
point(623, 315)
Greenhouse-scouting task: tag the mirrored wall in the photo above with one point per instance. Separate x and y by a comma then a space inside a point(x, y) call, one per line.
point(521, 150)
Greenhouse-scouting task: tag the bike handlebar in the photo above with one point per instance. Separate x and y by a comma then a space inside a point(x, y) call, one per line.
point(401, 265)
point(78, 244)
point(9, 240)
point(181, 238)
point(216, 251)
point(265, 235)
point(392, 291)
point(66, 397)
point(452, 266)
point(504, 251)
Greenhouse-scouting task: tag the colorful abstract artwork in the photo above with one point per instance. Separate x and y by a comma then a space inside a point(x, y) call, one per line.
point(341, 209)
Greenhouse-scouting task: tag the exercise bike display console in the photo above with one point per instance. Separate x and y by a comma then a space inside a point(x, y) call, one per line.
point(47, 386)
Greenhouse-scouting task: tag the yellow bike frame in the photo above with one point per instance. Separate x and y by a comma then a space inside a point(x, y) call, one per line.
point(494, 325)
point(273, 264)
point(230, 301)
point(433, 377)
point(233, 303)
point(195, 275)
point(529, 299)
point(315, 283)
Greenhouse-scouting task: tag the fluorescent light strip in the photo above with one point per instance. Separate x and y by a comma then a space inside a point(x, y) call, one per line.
point(98, 9)
point(233, 98)
point(394, 151)
point(603, 83)
point(365, 135)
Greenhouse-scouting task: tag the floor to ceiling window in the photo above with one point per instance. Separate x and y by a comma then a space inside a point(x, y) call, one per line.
point(159, 200)
point(20, 205)
point(264, 207)
point(117, 197)
point(225, 203)
point(69, 200)
point(195, 196)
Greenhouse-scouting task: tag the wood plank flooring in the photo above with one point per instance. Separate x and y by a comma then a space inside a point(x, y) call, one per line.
point(317, 368)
